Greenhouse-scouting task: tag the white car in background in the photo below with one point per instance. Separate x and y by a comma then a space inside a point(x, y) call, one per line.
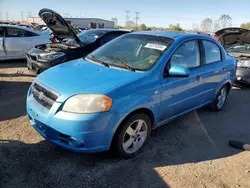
point(15, 41)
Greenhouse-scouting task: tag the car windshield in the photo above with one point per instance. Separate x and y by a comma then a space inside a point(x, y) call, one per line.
point(90, 36)
point(132, 51)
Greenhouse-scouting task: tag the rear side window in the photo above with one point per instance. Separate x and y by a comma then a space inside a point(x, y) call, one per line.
point(110, 36)
point(212, 52)
point(14, 32)
point(1, 32)
point(187, 55)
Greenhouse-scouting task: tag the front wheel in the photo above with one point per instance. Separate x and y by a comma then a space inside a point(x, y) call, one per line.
point(133, 134)
point(220, 99)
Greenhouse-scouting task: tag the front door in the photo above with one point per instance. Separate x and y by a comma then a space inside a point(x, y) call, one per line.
point(180, 95)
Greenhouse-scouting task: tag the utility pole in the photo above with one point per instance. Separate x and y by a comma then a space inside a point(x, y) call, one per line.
point(28, 15)
point(136, 19)
point(7, 16)
point(21, 16)
point(127, 17)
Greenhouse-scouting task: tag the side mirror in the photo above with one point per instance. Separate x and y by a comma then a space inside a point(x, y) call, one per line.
point(178, 71)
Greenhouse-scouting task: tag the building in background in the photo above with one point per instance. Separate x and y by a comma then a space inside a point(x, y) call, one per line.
point(90, 23)
point(35, 20)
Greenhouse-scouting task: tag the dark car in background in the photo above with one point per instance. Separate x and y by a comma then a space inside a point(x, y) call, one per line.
point(237, 42)
point(70, 46)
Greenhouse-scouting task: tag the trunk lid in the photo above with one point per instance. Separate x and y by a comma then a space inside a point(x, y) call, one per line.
point(59, 27)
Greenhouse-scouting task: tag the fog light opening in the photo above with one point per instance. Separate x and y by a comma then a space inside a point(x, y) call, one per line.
point(239, 78)
point(75, 142)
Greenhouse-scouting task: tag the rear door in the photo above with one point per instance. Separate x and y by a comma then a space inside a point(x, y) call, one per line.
point(18, 42)
point(213, 69)
point(2, 45)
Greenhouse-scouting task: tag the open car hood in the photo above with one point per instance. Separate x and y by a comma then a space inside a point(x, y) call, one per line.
point(59, 27)
point(233, 36)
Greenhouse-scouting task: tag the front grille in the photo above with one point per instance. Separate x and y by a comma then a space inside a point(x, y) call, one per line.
point(43, 95)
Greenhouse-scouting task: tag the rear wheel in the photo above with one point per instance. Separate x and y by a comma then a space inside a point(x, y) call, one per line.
point(220, 99)
point(133, 135)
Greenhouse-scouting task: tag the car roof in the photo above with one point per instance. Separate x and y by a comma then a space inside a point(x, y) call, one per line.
point(171, 34)
point(20, 27)
point(109, 30)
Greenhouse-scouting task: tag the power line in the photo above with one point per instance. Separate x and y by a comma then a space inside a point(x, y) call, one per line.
point(136, 19)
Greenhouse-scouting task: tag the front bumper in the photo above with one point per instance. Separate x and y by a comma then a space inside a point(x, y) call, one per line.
point(243, 75)
point(94, 131)
point(36, 66)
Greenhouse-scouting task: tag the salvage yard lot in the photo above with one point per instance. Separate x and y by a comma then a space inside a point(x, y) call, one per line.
point(191, 151)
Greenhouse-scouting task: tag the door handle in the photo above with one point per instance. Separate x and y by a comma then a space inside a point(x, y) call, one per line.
point(198, 77)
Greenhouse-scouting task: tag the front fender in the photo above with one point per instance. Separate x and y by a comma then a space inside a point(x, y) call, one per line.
point(146, 100)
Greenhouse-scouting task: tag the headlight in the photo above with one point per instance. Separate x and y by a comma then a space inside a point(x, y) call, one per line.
point(243, 63)
point(87, 103)
point(49, 56)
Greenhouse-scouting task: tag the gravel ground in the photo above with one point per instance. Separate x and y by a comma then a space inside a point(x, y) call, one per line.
point(191, 151)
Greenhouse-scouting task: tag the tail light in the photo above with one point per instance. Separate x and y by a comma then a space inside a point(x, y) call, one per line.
point(53, 39)
point(215, 37)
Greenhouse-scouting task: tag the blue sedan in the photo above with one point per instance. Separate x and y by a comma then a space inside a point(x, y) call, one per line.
point(128, 87)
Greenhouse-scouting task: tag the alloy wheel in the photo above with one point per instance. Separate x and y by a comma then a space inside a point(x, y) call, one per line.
point(222, 98)
point(135, 136)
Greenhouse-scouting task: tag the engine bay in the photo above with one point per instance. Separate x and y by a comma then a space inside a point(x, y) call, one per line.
point(56, 47)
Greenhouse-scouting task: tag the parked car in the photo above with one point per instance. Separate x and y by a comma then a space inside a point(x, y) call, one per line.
point(237, 42)
point(44, 56)
point(126, 88)
point(15, 41)
point(39, 27)
point(29, 27)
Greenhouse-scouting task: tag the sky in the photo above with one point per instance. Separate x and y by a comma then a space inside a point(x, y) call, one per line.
point(159, 13)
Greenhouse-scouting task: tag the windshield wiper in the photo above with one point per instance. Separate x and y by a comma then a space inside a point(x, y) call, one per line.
point(122, 62)
point(97, 60)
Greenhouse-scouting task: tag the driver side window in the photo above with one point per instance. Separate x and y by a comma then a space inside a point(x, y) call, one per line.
point(187, 55)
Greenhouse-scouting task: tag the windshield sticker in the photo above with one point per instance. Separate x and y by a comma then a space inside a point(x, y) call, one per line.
point(156, 46)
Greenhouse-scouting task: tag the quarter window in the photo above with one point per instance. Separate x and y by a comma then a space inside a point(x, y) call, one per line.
point(212, 52)
point(187, 55)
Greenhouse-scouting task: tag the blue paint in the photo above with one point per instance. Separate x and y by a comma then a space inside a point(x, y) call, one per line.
point(164, 95)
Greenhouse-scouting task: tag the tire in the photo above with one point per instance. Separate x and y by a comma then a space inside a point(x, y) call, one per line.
point(220, 99)
point(132, 135)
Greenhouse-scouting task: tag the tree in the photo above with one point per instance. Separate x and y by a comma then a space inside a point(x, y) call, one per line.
point(195, 27)
point(130, 25)
point(224, 21)
point(176, 27)
point(143, 27)
point(245, 25)
point(119, 27)
point(207, 25)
